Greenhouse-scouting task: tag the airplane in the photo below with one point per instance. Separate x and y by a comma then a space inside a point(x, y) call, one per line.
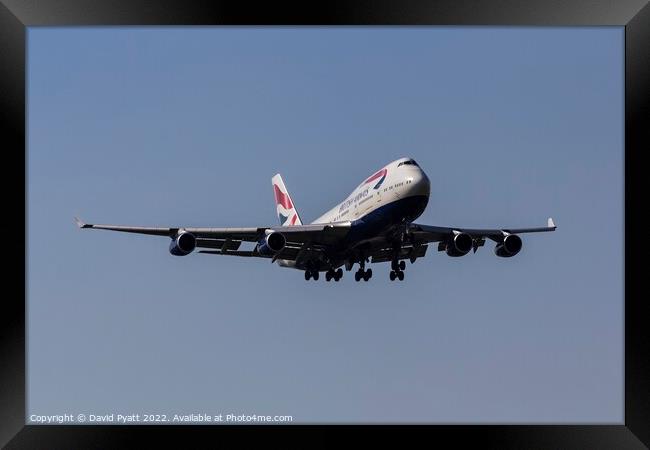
point(374, 224)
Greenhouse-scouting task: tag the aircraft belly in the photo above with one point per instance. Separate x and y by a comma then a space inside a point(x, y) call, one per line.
point(380, 219)
point(367, 228)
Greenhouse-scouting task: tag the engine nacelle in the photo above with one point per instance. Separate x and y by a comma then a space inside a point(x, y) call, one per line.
point(459, 245)
point(509, 247)
point(271, 244)
point(183, 244)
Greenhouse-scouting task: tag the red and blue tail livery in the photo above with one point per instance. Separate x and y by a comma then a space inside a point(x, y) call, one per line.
point(284, 206)
point(375, 223)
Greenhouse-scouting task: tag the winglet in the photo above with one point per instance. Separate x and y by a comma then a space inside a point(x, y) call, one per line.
point(550, 223)
point(80, 223)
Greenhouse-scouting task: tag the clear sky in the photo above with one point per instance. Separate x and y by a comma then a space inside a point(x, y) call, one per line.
point(185, 127)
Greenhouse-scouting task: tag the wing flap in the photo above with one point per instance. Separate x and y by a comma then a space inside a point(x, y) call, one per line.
point(287, 253)
point(325, 234)
point(233, 253)
point(221, 244)
point(405, 252)
point(249, 234)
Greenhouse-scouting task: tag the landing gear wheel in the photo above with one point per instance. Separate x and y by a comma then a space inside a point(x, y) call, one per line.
point(402, 265)
point(367, 275)
point(307, 275)
point(328, 275)
point(393, 265)
point(357, 275)
point(315, 275)
point(392, 275)
point(400, 275)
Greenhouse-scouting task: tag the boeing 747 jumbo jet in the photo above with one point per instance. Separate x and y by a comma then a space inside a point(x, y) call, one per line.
point(373, 224)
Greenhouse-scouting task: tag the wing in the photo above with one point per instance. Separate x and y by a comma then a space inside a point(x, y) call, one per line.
point(428, 233)
point(228, 240)
point(418, 237)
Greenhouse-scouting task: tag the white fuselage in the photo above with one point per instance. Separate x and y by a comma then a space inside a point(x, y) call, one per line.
point(401, 181)
point(395, 194)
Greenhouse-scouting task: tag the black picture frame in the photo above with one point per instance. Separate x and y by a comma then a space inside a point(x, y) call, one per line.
point(17, 15)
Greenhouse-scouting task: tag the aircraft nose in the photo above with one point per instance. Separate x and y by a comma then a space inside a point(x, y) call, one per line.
point(419, 183)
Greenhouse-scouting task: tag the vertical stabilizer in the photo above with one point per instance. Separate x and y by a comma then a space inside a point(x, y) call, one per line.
point(284, 206)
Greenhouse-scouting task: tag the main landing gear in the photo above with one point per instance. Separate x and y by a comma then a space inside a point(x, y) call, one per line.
point(398, 270)
point(311, 274)
point(362, 274)
point(334, 274)
point(330, 275)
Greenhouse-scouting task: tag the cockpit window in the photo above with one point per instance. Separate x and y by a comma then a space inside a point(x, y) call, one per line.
point(408, 162)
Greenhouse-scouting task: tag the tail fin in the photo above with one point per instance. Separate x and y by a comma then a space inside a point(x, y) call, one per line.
point(283, 204)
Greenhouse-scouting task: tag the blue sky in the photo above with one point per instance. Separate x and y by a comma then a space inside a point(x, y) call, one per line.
point(186, 126)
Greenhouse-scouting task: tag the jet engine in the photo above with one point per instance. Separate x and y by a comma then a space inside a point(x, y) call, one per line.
point(459, 245)
point(271, 244)
point(183, 244)
point(510, 246)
